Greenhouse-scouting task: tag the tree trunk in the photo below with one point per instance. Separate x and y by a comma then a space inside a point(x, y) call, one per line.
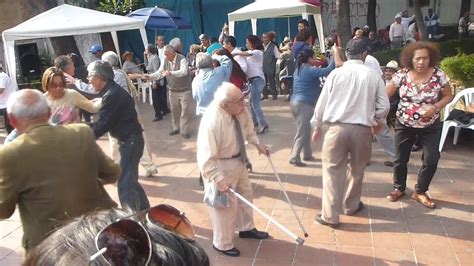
point(343, 22)
point(465, 7)
point(371, 16)
point(419, 20)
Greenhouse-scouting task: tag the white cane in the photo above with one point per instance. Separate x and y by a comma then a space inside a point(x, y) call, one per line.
point(298, 239)
point(286, 195)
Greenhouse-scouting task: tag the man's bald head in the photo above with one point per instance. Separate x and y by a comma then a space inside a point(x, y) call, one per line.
point(28, 105)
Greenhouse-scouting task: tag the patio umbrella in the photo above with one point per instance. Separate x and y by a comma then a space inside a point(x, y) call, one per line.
point(160, 19)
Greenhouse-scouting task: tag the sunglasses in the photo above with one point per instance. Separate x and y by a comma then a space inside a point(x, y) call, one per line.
point(127, 242)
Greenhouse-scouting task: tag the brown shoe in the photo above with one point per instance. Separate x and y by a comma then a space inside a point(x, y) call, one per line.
point(423, 199)
point(395, 195)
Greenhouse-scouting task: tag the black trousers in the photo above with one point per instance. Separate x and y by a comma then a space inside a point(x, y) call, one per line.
point(270, 86)
point(160, 103)
point(429, 138)
point(8, 127)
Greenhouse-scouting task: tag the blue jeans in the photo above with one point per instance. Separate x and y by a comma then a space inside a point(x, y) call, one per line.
point(131, 193)
point(257, 114)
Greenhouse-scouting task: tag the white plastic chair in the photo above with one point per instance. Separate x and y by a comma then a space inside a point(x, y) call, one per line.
point(145, 89)
point(468, 95)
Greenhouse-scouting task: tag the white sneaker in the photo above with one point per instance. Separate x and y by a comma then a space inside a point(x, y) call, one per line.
point(151, 171)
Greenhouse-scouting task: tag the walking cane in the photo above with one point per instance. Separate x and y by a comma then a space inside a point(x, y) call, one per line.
point(298, 239)
point(287, 198)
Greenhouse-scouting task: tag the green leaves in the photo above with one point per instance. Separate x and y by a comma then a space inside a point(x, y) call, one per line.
point(460, 67)
point(119, 7)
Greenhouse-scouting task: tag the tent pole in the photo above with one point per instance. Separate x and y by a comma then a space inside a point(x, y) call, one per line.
point(289, 28)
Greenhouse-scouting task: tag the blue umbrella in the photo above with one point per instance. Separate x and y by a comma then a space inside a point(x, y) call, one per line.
point(160, 19)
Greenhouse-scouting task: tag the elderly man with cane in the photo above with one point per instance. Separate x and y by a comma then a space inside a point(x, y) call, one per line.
point(221, 158)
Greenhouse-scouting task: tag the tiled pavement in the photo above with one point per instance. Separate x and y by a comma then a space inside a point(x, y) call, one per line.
point(384, 233)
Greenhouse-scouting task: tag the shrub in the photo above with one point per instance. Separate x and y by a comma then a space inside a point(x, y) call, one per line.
point(447, 48)
point(460, 68)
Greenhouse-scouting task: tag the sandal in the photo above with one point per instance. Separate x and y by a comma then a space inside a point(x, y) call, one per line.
point(424, 199)
point(395, 195)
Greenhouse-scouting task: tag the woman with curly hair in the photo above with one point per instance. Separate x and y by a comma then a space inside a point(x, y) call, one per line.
point(424, 90)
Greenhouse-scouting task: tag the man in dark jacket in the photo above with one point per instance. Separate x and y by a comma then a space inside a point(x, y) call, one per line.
point(118, 116)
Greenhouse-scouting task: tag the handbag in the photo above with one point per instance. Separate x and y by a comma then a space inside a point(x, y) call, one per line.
point(213, 197)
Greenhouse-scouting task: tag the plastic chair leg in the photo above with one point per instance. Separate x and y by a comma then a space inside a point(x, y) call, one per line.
point(444, 134)
point(456, 135)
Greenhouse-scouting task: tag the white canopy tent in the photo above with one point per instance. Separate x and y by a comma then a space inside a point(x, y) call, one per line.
point(277, 8)
point(65, 20)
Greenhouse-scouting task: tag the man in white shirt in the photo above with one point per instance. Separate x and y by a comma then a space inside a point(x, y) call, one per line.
point(385, 138)
point(396, 33)
point(353, 105)
point(230, 45)
point(225, 125)
point(6, 89)
point(160, 45)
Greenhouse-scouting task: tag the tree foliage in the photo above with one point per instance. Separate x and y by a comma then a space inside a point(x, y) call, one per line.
point(119, 7)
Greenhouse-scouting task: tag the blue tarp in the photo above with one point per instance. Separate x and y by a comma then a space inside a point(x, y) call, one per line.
point(214, 14)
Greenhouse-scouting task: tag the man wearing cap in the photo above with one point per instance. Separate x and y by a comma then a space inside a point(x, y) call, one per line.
point(353, 105)
point(97, 51)
point(396, 32)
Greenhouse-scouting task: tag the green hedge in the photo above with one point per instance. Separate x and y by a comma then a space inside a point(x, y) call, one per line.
point(447, 49)
point(460, 67)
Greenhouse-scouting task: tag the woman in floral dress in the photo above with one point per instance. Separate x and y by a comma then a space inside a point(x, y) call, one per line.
point(424, 91)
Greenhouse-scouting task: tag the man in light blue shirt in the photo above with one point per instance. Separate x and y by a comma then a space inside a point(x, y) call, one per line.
point(208, 79)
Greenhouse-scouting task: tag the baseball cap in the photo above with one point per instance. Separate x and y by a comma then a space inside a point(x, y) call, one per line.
point(392, 64)
point(96, 48)
point(357, 46)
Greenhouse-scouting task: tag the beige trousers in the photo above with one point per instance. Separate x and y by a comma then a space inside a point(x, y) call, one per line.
point(182, 110)
point(342, 185)
point(238, 215)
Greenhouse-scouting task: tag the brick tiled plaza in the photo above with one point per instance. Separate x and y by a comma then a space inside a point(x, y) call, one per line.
point(384, 233)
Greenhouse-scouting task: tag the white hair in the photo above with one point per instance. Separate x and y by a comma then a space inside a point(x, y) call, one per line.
point(176, 44)
point(226, 93)
point(27, 104)
point(168, 48)
point(203, 60)
point(111, 58)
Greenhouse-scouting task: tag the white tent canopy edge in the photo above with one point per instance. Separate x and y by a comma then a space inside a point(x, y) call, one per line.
point(277, 8)
point(66, 20)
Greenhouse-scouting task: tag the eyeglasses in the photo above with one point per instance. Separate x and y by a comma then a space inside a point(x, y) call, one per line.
point(126, 241)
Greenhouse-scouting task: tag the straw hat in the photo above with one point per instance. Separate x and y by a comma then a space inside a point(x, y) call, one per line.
point(392, 64)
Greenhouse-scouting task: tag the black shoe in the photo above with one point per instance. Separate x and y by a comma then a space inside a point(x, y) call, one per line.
point(174, 132)
point(274, 97)
point(264, 97)
point(297, 163)
point(388, 163)
point(248, 165)
point(254, 233)
point(233, 252)
point(157, 118)
point(321, 221)
point(262, 130)
point(186, 136)
point(309, 159)
point(359, 208)
point(167, 111)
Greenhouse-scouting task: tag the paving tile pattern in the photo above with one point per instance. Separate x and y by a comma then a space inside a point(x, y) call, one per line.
point(383, 233)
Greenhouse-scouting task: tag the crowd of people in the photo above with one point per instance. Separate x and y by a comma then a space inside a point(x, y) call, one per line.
point(341, 98)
